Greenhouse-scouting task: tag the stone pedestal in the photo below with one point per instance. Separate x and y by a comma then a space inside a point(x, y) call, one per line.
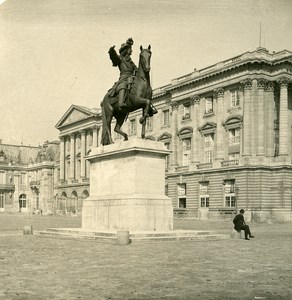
point(127, 188)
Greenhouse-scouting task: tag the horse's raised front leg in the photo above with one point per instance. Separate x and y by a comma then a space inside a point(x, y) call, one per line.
point(146, 103)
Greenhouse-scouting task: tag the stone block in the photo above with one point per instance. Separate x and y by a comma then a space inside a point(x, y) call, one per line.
point(236, 235)
point(127, 188)
point(27, 230)
point(123, 237)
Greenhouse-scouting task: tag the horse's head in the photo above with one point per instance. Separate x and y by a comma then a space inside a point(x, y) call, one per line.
point(145, 56)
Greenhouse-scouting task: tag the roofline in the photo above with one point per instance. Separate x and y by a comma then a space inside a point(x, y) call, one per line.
point(259, 55)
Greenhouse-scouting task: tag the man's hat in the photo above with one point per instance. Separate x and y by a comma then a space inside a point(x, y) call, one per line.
point(126, 45)
point(241, 211)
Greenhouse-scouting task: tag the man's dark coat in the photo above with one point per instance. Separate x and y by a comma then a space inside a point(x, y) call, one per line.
point(238, 222)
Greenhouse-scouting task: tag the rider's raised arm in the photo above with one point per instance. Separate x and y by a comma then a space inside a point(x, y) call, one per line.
point(114, 56)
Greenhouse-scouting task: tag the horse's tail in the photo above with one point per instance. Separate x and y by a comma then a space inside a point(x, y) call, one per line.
point(105, 136)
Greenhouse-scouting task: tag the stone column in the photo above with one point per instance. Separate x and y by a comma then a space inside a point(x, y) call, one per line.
point(283, 122)
point(174, 106)
point(83, 153)
point(72, 156)
point(94, 136)
point(195, 140)
point(270, 119)
point(261, 84)
point(247, 117)
point(220, 144)
point(62, 158)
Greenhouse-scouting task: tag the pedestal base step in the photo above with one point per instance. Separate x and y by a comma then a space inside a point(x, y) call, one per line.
point(134, 237)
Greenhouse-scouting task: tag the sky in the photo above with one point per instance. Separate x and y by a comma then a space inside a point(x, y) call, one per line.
point(55, 53)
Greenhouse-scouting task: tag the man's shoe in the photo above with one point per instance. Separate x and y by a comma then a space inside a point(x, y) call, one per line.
point(251, 236)
point(247, 239)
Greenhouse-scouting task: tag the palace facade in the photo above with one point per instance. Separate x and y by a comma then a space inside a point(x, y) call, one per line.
point(229, 129)
point(27, 177)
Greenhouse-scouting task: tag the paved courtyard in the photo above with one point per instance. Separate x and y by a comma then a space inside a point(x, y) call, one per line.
point(33, 267)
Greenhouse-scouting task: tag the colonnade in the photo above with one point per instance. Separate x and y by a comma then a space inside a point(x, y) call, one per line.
point(259, 120)
point(88, 139)
point(259, 117)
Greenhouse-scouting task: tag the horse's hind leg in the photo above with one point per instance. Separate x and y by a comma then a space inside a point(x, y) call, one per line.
point(107, 114)
point(143, 130)
point(119, 123)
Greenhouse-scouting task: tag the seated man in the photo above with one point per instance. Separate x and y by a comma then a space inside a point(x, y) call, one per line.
point(239, 224)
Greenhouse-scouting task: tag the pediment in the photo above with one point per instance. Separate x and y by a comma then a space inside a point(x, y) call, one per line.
point(233, 122)
point(74, 114)
point(164, 136)
point(185, 130)
point(207, 128)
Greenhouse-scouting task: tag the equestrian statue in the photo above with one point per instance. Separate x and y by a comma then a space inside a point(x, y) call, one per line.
point(131, 92)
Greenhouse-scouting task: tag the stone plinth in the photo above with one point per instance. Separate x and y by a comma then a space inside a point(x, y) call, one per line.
point(127, 188)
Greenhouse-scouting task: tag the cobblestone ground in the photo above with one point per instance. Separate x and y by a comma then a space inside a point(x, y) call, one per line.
point(33, 267)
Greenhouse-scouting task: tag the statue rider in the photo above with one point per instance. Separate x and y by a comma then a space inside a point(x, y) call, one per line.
point(127, 69)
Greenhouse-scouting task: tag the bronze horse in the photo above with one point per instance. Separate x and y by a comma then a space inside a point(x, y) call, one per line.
point(139, 96)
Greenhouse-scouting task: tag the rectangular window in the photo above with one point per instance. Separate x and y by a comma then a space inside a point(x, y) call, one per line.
point(209, 105)
point(204, 194)
point(149, 124)
point(229, 201)
point(234, 98)
point(234, 143)
point(133, 126)
point(187, 111)
point(166, 117)
point(209, 147)
point(229, 192)
point(234, 136)
point(182, 195)
point(1, 200)
point(186, 152)
point(204, 201)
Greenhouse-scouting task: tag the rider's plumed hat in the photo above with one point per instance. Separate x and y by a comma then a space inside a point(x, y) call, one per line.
point(126, 45)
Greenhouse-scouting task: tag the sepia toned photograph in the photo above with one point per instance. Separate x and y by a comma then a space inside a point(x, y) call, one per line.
point(145, 149)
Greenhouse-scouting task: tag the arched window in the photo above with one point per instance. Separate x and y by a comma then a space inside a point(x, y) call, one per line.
point(72, 202)
point(62, 202)
point(22, 203)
